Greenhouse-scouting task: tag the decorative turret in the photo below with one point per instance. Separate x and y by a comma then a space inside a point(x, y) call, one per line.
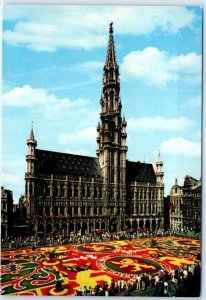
point(159, 174)
point(32, 143)
point(30, 175)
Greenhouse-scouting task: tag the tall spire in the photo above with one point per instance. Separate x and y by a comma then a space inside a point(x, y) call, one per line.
point(111, 56)
point(32, 132)
point(31, 139)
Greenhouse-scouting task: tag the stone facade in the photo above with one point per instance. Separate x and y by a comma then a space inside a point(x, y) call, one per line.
point(6, 212)
point(73, 193)
point(185, 205)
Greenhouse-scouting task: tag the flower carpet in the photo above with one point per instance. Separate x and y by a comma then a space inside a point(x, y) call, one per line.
point(28, 272)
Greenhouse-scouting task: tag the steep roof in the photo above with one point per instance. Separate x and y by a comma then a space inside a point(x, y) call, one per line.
point(140, 172)
point(49, 162)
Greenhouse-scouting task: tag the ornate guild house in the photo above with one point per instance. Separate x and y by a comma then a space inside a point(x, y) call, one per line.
point(68, 193)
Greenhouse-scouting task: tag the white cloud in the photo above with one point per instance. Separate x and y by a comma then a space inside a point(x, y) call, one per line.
point(50, 28)
point(41, 101)
point(159, 123)
point(88, 134)
point(157, 68)
point(181, 146)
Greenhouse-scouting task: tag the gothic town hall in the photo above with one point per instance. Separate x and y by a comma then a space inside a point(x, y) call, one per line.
point(68, 193)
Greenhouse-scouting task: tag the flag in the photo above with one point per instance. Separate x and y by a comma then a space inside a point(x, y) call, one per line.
point(171, 207)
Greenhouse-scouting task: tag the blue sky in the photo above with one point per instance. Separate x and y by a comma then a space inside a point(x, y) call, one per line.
point(53, 58)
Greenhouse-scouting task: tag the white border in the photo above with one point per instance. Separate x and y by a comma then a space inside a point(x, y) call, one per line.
point(145, 3)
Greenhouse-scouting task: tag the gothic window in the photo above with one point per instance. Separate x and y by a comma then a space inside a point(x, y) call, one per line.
point(55, 190)
point(83, 192)
point(40, 211)
point(112, 192)
point(47, 210)
point(88, 192)
point(95, 210)
point(100, 193)
point(83, 210)
point(111, 73)
point(111, 100)
point(61, 191)
point(55, 210)
point(76, 191)
point(70, 210)
point(88, 210)
point(70, 192)
point(95, 192)
point(47, 190)
point(100, 210)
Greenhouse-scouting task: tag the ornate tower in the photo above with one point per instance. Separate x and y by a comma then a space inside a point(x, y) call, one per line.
point(30, 176)
point(160, 187)
point(159, 174)
point(111, 135)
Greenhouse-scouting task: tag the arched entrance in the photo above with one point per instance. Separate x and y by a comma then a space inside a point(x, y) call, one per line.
point(103, 225)
point(91, 227)
point(134, 224)
point(57, 228)
point(141, 224)
point(84, 228)
point(113, 225)
point(97, 225)
point(64, 229)
point(71, 227)
point(40, 228)
point(49, 228)
point(128, 224)
point(3, 232)
point(147, 225)
point(153, 225)
point(78, 228)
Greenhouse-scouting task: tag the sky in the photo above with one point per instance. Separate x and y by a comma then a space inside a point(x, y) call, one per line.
point(53, 58)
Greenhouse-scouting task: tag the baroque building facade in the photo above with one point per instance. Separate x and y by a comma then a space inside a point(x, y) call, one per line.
point(185, 205)
point(6, 212)
point(73, 193)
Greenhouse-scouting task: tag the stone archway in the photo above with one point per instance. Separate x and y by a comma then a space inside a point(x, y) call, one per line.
point(91, 227)
point(3, 231)
point(84, 228)
point(113, 225)
point(153, 225)
point(57, 228)
point(134, 224)
point(147, 224)
point(128, 224)
point(103, 225)
point(49, 228)
point(64, 229)
point(97, 225)
point(71, 227)
point(141, 224)
point(40, 228)
point(78, 228)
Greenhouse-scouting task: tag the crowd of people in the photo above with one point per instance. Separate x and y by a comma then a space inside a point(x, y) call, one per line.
point(181, 282)
point(73, 238)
